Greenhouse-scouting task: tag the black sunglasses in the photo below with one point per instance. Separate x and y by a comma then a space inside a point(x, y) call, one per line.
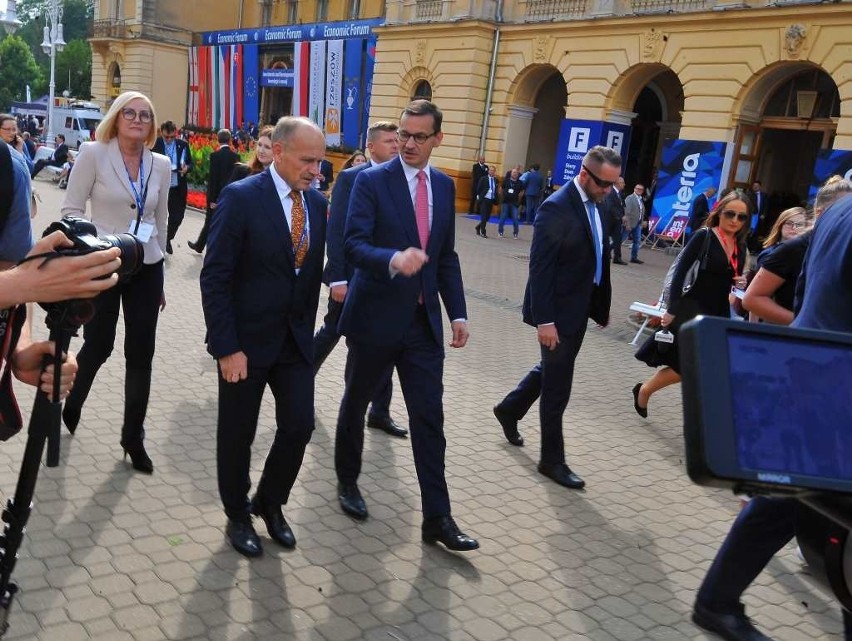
point(730, 215)
point(603, 184)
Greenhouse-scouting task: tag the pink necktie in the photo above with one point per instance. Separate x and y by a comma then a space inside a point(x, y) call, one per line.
point(421, 209)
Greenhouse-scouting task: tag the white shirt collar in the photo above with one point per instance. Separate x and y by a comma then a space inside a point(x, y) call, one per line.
point(583, 194)
point(411, 172)
point(281, 185)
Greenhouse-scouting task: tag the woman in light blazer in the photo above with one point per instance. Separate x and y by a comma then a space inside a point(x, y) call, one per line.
point(128, 188)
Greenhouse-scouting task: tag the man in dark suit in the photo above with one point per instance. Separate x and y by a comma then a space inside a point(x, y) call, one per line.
point(568, 284)
point(58, 158)
point(615, 210)
point(700, 209)
point(759, 227)
point(382, 146)
point(486, 194)
point(400, 237)
point(326, 176)
point(222, 163)
point(479, 170)
point(177, 151)
point(260, 289)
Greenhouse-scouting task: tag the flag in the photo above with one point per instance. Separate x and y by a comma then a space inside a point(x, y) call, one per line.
point(316, 97)
point(369, 67)
point(251, 88)
point(302, 73)
point(353, 54)
point(333, 87)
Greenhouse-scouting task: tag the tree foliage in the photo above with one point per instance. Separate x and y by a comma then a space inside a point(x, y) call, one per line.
point(17, 70)
point(74, 69)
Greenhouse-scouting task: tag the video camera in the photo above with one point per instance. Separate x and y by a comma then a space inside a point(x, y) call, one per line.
point(767, 410)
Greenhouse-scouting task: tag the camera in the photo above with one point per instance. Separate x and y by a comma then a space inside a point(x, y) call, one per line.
point(767, 411)
point(85, 237)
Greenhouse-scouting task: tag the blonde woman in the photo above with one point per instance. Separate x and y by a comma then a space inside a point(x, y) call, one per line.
point(127, 187)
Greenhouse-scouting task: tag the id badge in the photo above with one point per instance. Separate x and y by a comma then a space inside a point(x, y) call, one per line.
point(144, 232)
point(511, 191)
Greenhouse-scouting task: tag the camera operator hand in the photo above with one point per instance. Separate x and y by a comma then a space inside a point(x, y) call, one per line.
point(58, 279)
point(28, 360)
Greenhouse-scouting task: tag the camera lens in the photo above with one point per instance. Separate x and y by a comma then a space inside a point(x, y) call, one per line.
point(132, 252)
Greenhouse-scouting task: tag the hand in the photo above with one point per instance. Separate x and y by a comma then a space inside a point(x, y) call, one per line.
point(604, 325)
point(65, 277)
point(409, 261)
point(548, 336)
point(338, 292)
point(162, 301)
point(213, 205)
point(183, 170)
point(27, 367)
point(667, 319)
point(234, 367)
point(460, 334)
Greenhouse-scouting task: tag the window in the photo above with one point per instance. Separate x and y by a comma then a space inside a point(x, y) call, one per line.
point(422, 90)
point(322, 10)
point(354, 9)
point(292, 11)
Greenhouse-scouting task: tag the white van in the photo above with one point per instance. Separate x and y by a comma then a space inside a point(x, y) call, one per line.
point(77, 122)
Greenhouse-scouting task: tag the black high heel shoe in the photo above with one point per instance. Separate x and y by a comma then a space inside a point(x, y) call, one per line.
point(140, 459)
point(641, 411)
point(71, 418)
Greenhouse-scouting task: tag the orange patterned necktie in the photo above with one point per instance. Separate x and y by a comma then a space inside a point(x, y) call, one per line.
point(298, 233)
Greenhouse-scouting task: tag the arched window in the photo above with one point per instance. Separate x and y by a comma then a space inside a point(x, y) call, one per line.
point(422, 90)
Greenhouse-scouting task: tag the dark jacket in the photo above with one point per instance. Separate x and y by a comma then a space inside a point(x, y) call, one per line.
point(222, 163)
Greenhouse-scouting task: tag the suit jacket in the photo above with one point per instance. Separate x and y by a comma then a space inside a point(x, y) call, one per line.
point(476, 173)
point(222, 163)
point(561, 286)
point(253, 299)
point(326, 175)
point(60, 154)
point(100, 176)
point(483, 186)
point(183, 157)
point(379, 309)
point(533, 182)
point(700, 211)
point(615, 210)
point(336, 268)
point(633, 209)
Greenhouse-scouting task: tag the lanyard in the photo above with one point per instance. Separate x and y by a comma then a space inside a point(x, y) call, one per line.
point(732, 256)
point(171, 150)
point(140, 200)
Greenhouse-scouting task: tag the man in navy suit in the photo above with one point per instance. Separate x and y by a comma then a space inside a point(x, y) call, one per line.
point(382, 146)
point(260, 289)
point(568, 284)
point(400, 238)
point(177, 151)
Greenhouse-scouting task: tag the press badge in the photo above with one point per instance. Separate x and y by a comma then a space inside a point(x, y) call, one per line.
point(143, 233)
point(511, 191)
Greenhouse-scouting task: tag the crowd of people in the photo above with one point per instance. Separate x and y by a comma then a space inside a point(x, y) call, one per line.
point(388, 236)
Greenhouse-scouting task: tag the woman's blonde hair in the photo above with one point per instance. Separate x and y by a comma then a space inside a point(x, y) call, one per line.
point(775, 235)
point(108, 127)
point(833, 188)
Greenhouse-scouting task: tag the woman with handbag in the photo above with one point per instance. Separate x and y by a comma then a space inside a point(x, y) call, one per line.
point(127, 187)
point(711, 263)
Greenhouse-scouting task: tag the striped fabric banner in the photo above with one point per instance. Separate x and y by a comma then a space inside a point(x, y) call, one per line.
point(333, 88)
point(316, 98)
point(302, 73)
point(237, 85)
point(192, 103)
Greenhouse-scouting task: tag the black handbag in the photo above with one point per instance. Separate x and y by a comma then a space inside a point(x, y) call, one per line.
point(698, 265)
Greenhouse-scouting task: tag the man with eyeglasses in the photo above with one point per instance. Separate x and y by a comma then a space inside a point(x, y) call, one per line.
point(568, 284)
point(57, 158)
point(10, 135)
point(400, 238)
point(177, 151)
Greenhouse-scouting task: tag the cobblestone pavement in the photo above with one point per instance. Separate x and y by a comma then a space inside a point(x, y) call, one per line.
point(112, 554)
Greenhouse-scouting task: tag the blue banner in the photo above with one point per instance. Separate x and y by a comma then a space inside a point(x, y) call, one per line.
point(687, 168)
point(576, 137)
point(251, 84)
point(828, 163)
point(369, 66)
point(352, 56)
point(617, 137)
point(276, 77)
point(357, 29)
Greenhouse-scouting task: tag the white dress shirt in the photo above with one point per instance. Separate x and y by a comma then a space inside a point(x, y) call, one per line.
point(284, 190)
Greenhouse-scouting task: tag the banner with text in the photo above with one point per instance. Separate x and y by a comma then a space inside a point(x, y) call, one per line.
point(333, 89)
point(316, 93)
point(687, 168)
point(369, 67)
point(352, 87)
point(576, 137)
point(830, 162)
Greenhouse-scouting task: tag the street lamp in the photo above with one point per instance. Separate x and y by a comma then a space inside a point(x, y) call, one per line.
point(53, 42)
point(9, 19)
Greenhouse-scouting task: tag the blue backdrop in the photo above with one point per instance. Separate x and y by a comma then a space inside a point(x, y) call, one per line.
point(828, 163)
point(576, 137)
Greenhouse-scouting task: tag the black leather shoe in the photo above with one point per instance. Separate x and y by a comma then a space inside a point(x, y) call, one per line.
point(169, 249)
point(618, 261)
point(510, 427)
point(562, 474)
point(243, 538)
point(276, 524)
point(641, 411)
point(352, 502)
point(71, 417)
point(443, 529)
point(636, 261)
point(731, 627)
point(194, 247)
point(387, 425)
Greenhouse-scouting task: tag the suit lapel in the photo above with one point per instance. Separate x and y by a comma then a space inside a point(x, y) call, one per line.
point(401, 197)
point(580, 207)
point(440, 209)
point(118, 167)
point(315, 216)
point(275, 212)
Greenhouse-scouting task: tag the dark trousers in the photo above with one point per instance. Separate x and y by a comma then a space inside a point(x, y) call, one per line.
point(177, 208)
point(615, 240)
point(205, 229)
point(551, 379)
point(419, 361)
point(140, 298)
point(292, 385)
point(41, 164)
point(532, 207)
point(485, 207)
point(326, 339)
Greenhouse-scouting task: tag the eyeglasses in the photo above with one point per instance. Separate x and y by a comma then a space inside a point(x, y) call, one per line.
point(730, 215)
point(12, 128)
point(603, 184)
point(130, 114)
point(404, 136)
point(794, 225)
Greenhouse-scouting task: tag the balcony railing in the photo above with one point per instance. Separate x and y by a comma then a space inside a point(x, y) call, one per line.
point(667, 6)
point(537, 10)
point(109, 28)
point(429, 9)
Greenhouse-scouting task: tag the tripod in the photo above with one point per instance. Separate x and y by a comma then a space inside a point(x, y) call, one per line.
point(63, 320)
